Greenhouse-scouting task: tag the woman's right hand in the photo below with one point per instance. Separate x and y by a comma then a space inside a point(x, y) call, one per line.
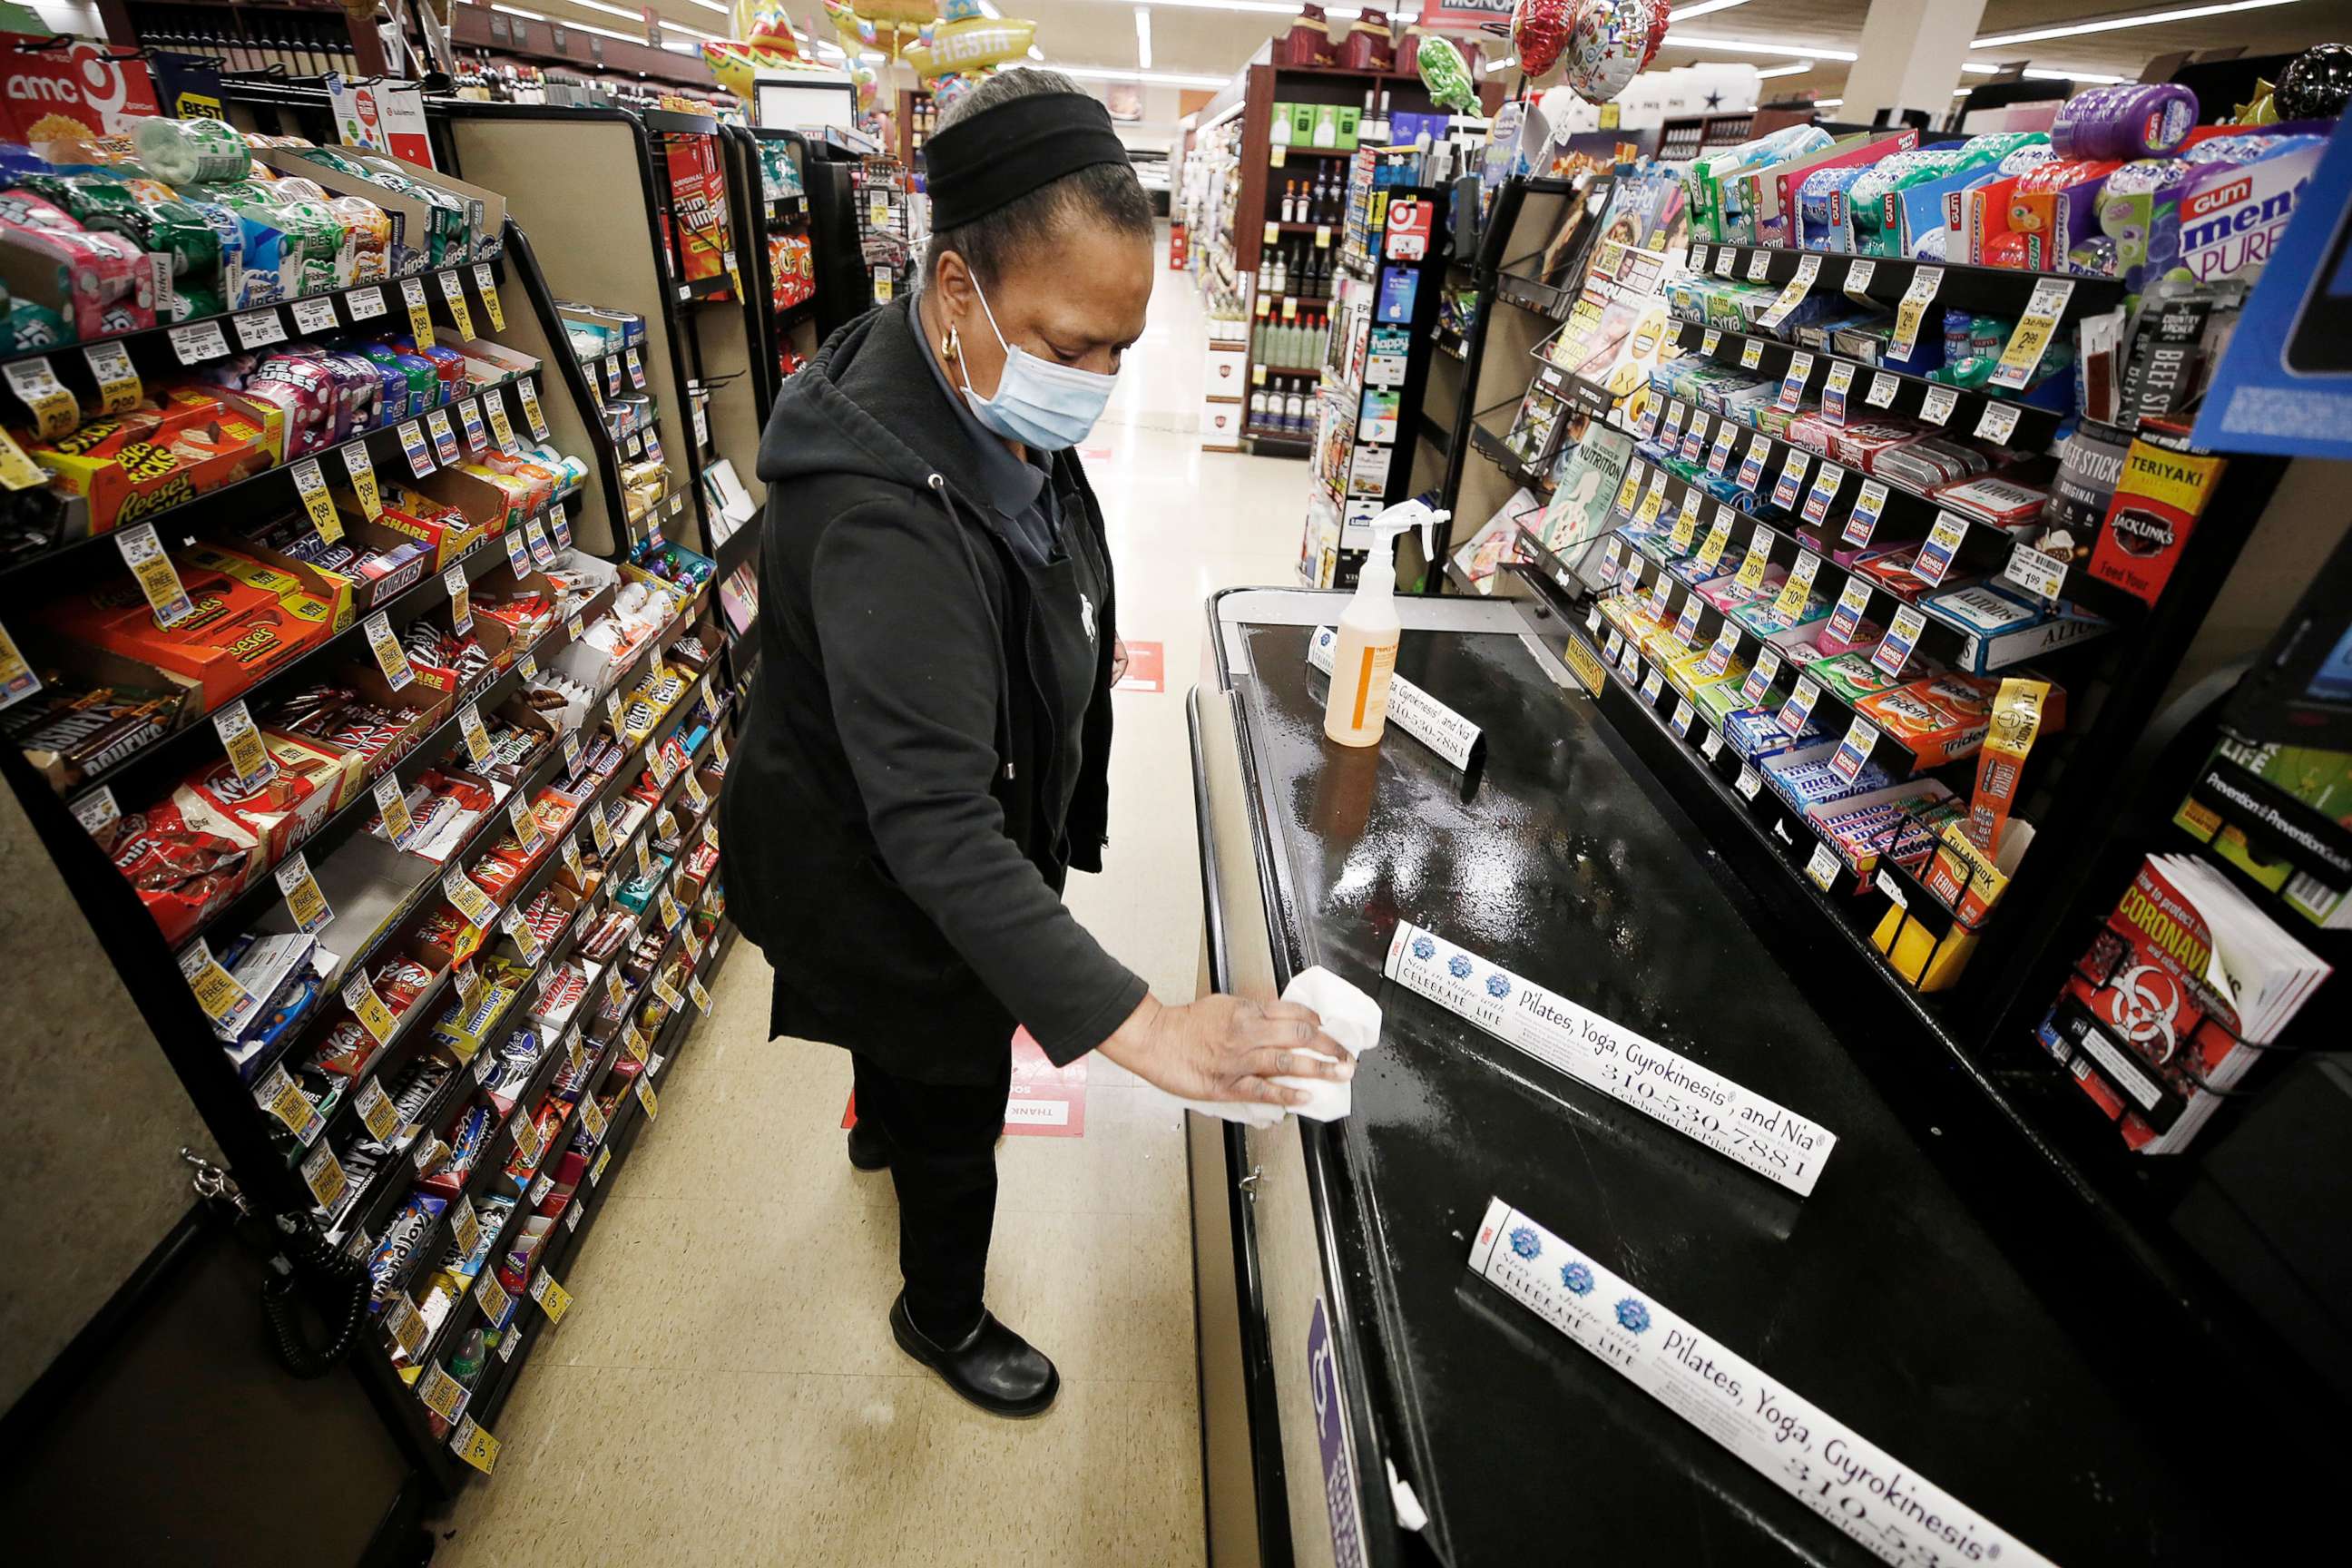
point(1223, 1047)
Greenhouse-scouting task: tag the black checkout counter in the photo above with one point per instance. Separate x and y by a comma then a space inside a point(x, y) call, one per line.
point(1345, 1345)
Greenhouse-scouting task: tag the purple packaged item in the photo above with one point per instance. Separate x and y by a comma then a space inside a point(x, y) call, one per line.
point(358, 393)
point(301, 385)
point(2141, 119)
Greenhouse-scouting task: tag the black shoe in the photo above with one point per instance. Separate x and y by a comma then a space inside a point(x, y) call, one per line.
point(993, 1367)
point(869, 1146)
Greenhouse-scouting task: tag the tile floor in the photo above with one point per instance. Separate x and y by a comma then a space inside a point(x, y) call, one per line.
point(726, 1389)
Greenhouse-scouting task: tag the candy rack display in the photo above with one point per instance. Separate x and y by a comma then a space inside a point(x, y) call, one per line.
point(780, 271)
point(366, 709)
point(887, 245)
point(1823, 533)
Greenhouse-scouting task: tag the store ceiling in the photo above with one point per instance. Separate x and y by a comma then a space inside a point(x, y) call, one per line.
point(1211, 38)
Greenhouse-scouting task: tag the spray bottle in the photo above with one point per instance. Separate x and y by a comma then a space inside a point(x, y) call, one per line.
point(1365, 653)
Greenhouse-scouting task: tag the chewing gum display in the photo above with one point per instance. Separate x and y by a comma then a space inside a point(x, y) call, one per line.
point(1734, 1121)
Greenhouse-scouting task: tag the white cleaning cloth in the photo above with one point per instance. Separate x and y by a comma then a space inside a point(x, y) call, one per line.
point(1348, 1016)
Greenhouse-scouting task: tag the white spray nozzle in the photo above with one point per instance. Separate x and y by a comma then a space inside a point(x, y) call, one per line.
point(1404, 516)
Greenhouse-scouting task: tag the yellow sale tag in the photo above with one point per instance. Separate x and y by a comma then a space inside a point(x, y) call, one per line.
point(405, 1324)
point(1791, 601)
point(634, 1042)
point(304, 902)
point(1652, 501)
point(467, 896)
point(363, 473)
point(17, 681)
point(1277, 155)
point(476, 1446)
point(1322, 236)
point(701, 998)
point(18, 471)
point(360, 996)
point(1718, 539)
point(466, 1226)
point(391, 806)
point(323, 1175)
point(242, 741)
point(699, 801)
point(600, 830)
point(591, 1117)
point(530, 410)
point(377, 1113)
point(440, 1392)
point(1273, 233)
point(1911, 310)
point(487, 287)
point(36, 386)
point(390, 657)
point(420, 315)
point(477, 739)
point(158, 579)
point(453, 289)
point(279, 1095)
point(492, 1295)
point(317, 502)
point(1686, 522)
point(118, 388)
point(2035, 330)
point(553, 1298)
point(596, 1170)
point(1759, 556)
point(1628, 489)
point(646, 1098)
point(669, 910)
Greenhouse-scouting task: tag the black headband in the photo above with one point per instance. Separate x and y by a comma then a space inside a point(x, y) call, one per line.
point(1001, 154)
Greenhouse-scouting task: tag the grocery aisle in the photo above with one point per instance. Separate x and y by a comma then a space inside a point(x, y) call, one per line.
point(726, 1389)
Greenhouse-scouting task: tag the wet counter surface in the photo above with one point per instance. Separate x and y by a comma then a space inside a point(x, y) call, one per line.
point(1879, 1298)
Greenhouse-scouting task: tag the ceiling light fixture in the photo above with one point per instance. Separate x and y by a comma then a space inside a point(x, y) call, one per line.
point(1143, 37)
point(1744, 47)
point(1798, 69)
point(1506, 63)
point(1829, 103)
point(2047, 73)
point(2117, 24)
point(715, 6)
point(1706, 8)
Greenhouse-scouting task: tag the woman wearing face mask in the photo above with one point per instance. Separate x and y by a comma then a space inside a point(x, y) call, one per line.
point(926, 753)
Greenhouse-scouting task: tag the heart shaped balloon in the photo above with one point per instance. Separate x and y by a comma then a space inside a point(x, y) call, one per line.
point(1608, 46)
point(1658, 24)
point(1540, 31)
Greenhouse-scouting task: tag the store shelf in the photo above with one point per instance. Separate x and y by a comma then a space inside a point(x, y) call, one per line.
point(702, 289)
point(267, 494)
point(1282, 443)
point(1292, 150)
point(1991, 290)
point(1429, 429)
point(2035, 429)
point(737, 548)
point(1495, 450)
point(1530, 295)
point(792, 315)
point(152, 347)
point(607, 374)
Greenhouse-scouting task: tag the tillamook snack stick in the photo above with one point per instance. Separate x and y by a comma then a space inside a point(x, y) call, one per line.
point(2016, 720)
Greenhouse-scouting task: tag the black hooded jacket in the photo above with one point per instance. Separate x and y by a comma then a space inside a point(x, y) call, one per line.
point(892, 832)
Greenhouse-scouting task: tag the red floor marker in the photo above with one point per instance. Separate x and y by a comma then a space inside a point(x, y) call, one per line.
point(1047, 1102)
point(1147, 668)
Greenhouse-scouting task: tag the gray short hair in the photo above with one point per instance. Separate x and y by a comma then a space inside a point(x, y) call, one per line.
point(1107, 194)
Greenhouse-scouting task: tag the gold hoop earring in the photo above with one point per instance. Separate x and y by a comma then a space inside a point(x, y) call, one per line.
point(954, 350)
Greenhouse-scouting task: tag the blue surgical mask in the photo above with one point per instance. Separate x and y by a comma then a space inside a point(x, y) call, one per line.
point(1038, 403)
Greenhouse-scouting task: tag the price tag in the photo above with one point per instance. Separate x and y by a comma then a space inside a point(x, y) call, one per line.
point(391, 806)
point(441, 1394)
point(1725, 258)
point(1273, 235)
point(1760, 675)
point(36, 386)
point(420, 317)
point(1686, 521)
point(1863, 520)
point(1708, 341)
point(279, 1095)
point(552, 1299)
point(669, 911)
point(469, 982)
point(1322, 236)
point(1752, 463)
point(198, 342)
point(518, 552)
point(2035, 328)
point(97, 811)
point(1892, 889)
point(487, 1290)
point(1934, 558)
point(611, 370)
point(1276, 155)
point(596, 1170)
point(411, 444)
point(461, 599)
point(719, 745)
point(571, 861)
point(1698, 259)
point(1758, 557)
point(312, 486)
point(645, 859)
point(402, 1322)
point(1852, 605)
point(1858, 274)
point(1912, 309)
point(119, 387)
point(1720, 651)
point(1748, 783)
point(1822, 867)
point(1662, 589)
point(636, 368)
point(1998, 423)
point(1718, 539)
point(470, 420)
point(1694, 438)
point(1759, 264)
point(477, 738)
point(475, 1446)
point(646, 1098)
point(526, 823)
point(2039, 574)
point(1793, 292)
point(323, 1175)
point(1712, 747)
point(1654, 685)
point(362, 476)
point(1800, 706)
point(1670, 432)
point(1628, 488)
point(591, 1117)
point(601, 831)
point(531, 414)
point(1790, 603)
point(1884, 386)
point(701, 998)
point(1719, 456)
point(467, 895)
point(1826, 484)
point(534, 533)
point(304, 902)
point(1683, 714)
point(364, 304)
point(1833, 391)
point(561, 526)
point(1655, 498)
point(572, 1213)
point(259, 329)
point(695, 799)
point(1854, 750)
point(668, 993)
point(444, 439)
point(159, 580)
point(653, 451)
point(1937, 407)
point(1751, 353)
point(453, 291)
point(465, 1226)
point(1795, 464)
point(1894, 650)
point(487, 288)
point(390, 657)
point(247, 755)
point(368, 1007)
point(377, 1113)
point(634, 1042)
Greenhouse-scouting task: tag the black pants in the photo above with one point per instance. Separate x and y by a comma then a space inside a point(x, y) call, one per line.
point(943, 1162)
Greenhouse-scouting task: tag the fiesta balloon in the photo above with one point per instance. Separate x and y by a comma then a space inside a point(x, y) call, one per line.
point(969, 45)
point(950, 86)
point(1607, 47)
point(1446, 77)
point(734, 64)
point(1539, 28)
point(914, 13)
point(856, 32)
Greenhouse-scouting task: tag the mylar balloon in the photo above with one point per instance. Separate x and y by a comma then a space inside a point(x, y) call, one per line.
point(1539, 28)
point(1446, 77)
point(1658, 26)
point(2315, 85)
point(733, 65)
point(951, 86)
point(969, 45)
point(913, 12)
point(857, 32)
point(1607, 46)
